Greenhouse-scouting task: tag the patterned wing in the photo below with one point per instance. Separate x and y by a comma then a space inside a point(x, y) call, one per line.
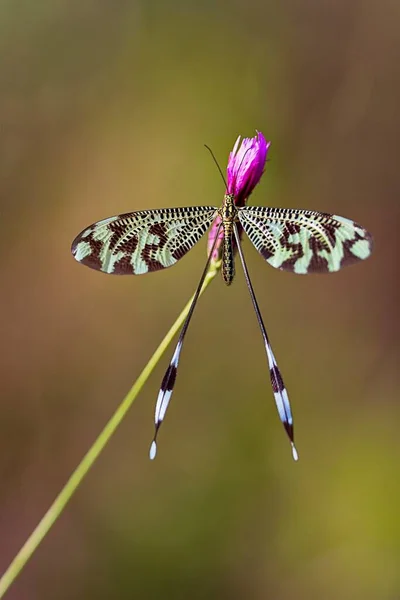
point(305, 241)
point(144, 241)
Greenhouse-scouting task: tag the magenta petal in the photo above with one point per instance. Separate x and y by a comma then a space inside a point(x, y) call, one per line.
point(246, 165)
point(211, 237)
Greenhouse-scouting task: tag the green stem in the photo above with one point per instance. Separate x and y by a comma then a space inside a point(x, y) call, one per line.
point(61, 501)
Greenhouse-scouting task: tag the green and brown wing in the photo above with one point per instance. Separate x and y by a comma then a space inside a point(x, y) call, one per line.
point(144, 241)
point(305, 241)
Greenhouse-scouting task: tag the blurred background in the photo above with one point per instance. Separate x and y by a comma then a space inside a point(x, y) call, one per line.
point(104, 108)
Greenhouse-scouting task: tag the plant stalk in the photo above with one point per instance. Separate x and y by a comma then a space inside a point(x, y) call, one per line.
point(61, 501)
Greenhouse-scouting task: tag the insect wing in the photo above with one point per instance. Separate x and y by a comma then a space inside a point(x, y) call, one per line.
point(304, 241)
point(143, 241)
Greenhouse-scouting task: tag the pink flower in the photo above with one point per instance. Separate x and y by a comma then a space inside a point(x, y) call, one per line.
point(246, 164)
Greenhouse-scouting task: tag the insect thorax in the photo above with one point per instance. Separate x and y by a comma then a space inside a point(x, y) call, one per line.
point(228, 211)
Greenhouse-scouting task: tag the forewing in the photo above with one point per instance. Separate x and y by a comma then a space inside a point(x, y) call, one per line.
point(305, 241)
point(143, 241)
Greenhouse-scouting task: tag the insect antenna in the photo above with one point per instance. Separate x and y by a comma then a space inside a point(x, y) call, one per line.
point(278, 387)
point(168, 382)
point(219, 168)
point(216, 162)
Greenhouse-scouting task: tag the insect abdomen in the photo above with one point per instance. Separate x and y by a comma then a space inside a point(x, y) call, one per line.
point(228, 262)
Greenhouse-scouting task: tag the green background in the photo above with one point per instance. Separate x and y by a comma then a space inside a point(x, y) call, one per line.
point(104, 108)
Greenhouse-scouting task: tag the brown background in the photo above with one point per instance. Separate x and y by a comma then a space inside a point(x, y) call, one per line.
point(104, 108)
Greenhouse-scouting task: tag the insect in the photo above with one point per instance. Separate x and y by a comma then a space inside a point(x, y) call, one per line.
point(301, 241)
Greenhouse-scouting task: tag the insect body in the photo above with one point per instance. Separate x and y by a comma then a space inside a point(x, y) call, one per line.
point(228, 214)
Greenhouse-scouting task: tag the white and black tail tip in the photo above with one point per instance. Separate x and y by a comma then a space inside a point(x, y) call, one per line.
point(294, 452)
point(153, 450)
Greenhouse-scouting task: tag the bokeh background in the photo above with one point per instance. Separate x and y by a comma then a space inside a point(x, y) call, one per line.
point(104, 108)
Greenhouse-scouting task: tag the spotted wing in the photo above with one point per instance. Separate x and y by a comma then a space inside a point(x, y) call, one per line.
point(305, 241)
point(144, 241)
